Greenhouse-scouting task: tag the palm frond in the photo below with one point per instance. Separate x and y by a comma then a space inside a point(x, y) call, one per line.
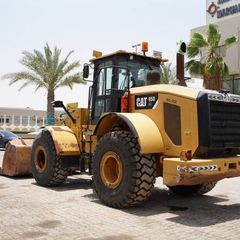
point(28, 78)
point(210, 69)
point(28, 83)
point(34, 62)
point(70, 67)
point(63, 63)
point(225, 72)
point(222, 67)
point(41, 85)
point(198, 40)
point(40, 57)
point(230, 41)
point(48, 57)
point(167, 73)
point(213, 35)
point(192, 51)
point(55, 58)
point(195, 67)
point(24, 75)
point(70, 80)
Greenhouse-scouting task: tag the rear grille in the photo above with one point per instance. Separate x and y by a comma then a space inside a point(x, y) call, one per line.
point(224, 124)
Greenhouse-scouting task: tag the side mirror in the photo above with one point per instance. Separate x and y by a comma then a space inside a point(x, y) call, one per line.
point(57, 104)
point(85, 71)
point(1, 136)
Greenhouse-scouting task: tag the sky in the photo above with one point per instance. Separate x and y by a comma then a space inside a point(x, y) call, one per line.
point(82, 26)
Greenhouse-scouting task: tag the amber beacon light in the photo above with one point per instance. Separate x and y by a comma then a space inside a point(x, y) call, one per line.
point(97, 54)
point(144, 47)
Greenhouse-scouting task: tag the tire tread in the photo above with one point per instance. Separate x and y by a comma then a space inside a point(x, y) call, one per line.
point(144, 171)
point(58, 174)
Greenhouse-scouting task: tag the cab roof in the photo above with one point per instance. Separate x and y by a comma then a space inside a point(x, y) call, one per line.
point(122, 52)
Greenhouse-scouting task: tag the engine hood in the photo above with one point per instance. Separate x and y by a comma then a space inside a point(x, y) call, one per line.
point(186, 92)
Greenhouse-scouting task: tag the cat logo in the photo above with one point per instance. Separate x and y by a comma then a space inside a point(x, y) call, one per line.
point(141, 102)
point(146, 101)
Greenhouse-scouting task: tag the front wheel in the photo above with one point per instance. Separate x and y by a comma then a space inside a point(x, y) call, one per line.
point(46, 165)
point(122, 175)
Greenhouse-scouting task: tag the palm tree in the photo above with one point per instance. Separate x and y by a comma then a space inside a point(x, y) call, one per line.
point(46, 70)
point(168, 74)
point(206, 57)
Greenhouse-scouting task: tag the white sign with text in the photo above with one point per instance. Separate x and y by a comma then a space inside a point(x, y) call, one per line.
point(218, 10)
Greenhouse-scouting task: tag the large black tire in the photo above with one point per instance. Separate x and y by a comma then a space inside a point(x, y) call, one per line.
point(46, 165)
point(138, 171)
point(185, 190)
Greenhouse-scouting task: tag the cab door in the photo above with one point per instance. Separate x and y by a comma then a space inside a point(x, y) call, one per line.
point(110, 85)
point(101, 91)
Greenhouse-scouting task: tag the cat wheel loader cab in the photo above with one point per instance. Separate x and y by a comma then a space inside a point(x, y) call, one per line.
point(115, 74)
point(136, 129)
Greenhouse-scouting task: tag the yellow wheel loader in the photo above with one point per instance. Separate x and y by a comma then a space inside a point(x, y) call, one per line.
point(135, 130)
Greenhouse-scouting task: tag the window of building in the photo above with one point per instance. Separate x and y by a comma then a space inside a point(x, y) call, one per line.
point(2, 120)
point(232, 84)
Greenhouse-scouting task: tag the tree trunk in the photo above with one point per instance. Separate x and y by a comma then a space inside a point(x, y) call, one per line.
point(50, 108)
point(213, 83)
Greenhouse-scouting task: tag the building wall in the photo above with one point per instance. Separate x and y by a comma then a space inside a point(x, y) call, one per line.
point(226, 15)
point(22, 119)
point(228, 28)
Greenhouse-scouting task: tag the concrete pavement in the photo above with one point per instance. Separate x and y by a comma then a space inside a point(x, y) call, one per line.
point(73, 211)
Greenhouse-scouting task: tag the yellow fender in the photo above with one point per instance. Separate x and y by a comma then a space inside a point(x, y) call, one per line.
point(64, 140)
point(142, 127)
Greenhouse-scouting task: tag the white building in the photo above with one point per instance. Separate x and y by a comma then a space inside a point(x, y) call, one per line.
point(226, 15)
point(22, 119)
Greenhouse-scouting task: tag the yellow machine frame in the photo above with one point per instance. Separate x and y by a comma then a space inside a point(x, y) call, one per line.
point(149, 130)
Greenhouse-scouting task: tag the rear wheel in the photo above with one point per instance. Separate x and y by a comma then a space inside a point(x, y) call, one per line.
point(46, 165)
point(122, 175)
point(192, 190)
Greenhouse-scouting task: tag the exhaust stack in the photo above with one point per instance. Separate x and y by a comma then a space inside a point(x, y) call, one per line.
point(180, 64)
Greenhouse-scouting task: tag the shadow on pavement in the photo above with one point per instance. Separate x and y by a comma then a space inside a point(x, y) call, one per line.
point(195, 211)
point(198, 211)
point(71, 184)
point(23, 177)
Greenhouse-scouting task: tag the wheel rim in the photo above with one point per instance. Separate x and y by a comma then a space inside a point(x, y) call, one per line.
point(111, 170)
point(41, 159)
